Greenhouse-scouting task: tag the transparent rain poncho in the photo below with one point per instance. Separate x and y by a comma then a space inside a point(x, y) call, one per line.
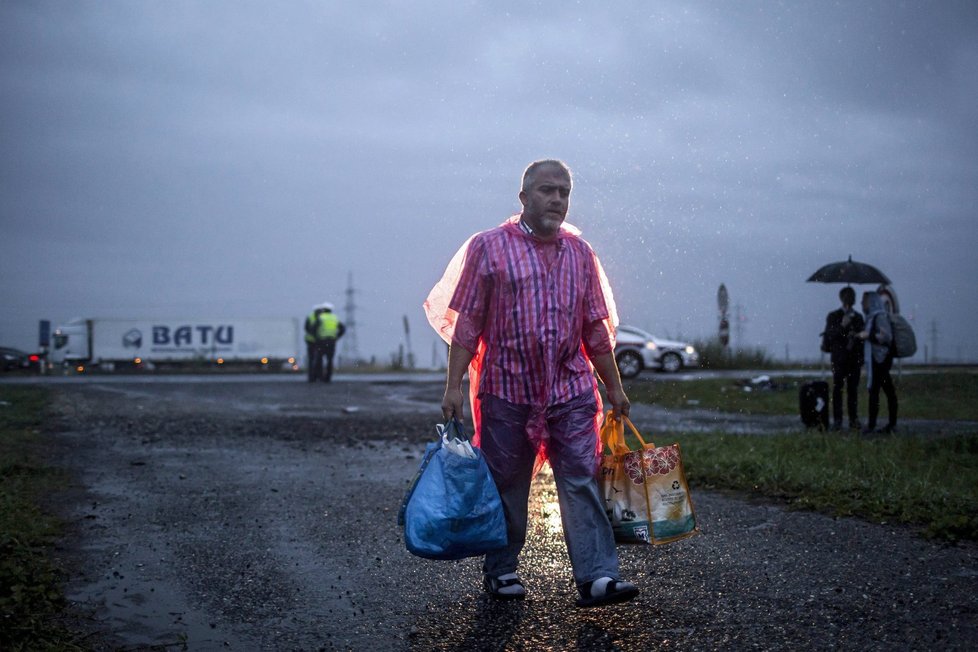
point(583, 328)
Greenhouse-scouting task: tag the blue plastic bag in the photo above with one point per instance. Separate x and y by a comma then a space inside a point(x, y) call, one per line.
point(452, 509)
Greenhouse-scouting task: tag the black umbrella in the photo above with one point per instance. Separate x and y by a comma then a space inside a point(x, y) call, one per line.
point(848, 271)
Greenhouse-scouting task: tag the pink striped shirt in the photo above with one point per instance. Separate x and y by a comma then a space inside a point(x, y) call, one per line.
point(533, 308)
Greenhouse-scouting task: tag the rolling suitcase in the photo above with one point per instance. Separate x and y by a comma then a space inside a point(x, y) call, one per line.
point(813, 402)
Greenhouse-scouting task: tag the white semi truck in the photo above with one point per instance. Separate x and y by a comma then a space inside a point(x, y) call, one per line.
point(150, 343)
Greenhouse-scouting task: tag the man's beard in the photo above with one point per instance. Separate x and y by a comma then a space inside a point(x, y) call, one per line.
point(550, 223)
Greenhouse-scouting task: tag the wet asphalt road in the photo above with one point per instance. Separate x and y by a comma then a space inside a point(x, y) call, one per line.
point(261, 516)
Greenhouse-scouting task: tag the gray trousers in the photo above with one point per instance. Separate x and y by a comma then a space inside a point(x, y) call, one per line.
point(571, 451)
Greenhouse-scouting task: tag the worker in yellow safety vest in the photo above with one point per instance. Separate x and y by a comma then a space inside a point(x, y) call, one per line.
point(323, 328)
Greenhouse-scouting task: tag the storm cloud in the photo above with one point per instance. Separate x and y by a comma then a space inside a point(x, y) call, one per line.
point(244, 159)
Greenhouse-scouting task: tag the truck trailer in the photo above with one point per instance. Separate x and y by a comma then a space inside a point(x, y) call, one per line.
point(151, 343)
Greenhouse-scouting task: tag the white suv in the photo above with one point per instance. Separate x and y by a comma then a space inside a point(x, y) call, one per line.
point(636, 350)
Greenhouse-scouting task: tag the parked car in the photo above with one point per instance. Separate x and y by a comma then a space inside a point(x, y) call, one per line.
point(15, 359)
point(637, 350)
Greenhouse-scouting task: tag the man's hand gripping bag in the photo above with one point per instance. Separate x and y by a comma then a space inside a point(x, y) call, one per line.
point(452, 509)
point(645, 491)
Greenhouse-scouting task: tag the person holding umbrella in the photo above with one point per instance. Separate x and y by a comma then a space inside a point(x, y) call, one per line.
point(846, 351)
point(837, 339)
point(878, 342)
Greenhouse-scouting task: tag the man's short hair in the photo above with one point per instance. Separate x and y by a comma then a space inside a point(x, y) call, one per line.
point(531, 171)
point(847, 295)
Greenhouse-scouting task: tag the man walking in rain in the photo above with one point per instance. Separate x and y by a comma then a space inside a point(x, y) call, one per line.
point(526, 308)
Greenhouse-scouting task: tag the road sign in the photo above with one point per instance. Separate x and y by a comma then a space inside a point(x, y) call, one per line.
point(44, 333)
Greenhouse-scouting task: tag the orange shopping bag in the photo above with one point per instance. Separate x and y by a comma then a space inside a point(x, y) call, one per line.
point(645, 491)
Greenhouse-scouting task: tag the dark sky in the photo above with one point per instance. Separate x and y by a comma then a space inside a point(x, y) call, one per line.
point(242, 159)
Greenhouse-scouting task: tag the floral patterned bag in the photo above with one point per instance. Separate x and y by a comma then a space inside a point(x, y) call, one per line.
point(645, 491)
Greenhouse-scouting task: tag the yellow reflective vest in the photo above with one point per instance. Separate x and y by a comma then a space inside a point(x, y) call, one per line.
point(325, 325)
point(329, 326)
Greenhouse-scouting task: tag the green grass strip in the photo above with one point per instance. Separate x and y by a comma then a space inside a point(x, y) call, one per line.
point(931, 484)
point(31, 594)
point(947, 396)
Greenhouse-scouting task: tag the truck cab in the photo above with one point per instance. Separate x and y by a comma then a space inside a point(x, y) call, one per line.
point(71, 343)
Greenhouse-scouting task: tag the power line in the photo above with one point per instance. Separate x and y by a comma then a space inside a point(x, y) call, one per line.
point(350, 350)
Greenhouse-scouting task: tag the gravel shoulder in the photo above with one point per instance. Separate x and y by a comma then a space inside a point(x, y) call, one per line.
point(262, 516)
